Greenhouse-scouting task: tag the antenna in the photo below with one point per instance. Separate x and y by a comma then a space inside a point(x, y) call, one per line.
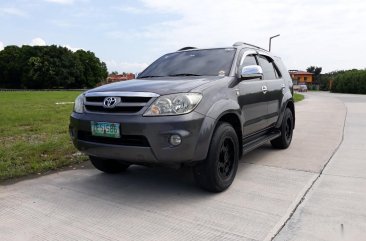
point(270, 40)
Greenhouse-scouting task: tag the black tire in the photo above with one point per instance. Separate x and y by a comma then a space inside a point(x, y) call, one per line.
point(218, 170)
point(287, 127)
point(108, 166)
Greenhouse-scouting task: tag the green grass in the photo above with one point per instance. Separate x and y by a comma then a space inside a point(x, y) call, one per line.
point(298, 97)
point(34, 132)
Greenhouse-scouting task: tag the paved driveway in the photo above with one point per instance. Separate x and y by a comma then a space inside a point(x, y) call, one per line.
point(335, 207)
point(164, 204)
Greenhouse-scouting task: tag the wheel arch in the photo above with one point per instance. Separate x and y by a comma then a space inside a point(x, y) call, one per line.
point(234, 120)
point(287, 102)
point(291, 106)
point(224, 110)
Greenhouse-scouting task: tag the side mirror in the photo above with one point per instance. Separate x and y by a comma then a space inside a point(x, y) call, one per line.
point(251, 72)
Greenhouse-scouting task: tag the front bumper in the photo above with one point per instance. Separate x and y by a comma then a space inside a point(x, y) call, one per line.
point(143, 139)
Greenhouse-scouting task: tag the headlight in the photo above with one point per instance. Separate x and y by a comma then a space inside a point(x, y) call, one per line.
point(176, 104)
point(79, 104)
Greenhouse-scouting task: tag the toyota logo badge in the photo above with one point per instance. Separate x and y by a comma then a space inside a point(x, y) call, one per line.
point(111, 102)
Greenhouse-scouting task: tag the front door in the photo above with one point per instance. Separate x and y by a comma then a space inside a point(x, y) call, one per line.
point(252, 100)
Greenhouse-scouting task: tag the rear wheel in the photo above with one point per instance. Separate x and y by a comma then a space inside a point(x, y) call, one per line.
point(287, 127)
point(218, 171)
point(107, 165)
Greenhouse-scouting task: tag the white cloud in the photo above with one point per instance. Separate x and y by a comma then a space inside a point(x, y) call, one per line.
point(66, 23)
point(132, 10)
point(73, 49)
point(38, 42)
point(125, 66)
point(65, 2)
point(13, 11)
point(323, 33)
point(41, 42)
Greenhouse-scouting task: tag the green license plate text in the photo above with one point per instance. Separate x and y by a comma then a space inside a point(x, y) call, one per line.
point(105, 129)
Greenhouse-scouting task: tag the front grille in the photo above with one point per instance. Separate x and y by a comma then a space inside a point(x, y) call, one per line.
point(117, 109)
point(123, 99)
point(128, 104)
point(125, 140)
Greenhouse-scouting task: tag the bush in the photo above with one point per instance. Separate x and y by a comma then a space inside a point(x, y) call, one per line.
point(314, 87)
point(352, 81)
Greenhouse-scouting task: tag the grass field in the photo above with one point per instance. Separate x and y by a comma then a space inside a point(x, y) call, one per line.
point(34, 132)
point(298, 97)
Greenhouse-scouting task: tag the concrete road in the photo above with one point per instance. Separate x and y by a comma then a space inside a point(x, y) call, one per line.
point(335, 207)
point(264, 202)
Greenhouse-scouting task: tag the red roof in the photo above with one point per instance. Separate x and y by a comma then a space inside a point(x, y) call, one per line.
point(120, 77)
point(300, 72)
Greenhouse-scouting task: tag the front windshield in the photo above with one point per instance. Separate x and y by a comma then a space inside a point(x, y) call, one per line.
point(208, 62)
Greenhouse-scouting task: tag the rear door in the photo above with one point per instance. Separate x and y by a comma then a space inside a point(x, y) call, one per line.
point(251, 99)
point(275, 86)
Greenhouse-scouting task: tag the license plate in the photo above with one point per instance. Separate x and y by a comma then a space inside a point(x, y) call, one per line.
point(105, 129)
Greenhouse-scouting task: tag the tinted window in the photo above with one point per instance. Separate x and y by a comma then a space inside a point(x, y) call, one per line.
point(249, 60)
point(277, 72)
point(212, 62)
point(268, 70)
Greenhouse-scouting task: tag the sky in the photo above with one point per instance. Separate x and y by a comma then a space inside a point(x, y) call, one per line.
point(129, 35)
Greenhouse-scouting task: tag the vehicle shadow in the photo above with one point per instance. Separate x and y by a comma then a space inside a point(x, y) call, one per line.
point(140, 185)
point(144, 184)
point(157, 183)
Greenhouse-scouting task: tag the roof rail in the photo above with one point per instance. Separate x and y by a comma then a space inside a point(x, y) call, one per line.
point(186, 48)
point(252, 45)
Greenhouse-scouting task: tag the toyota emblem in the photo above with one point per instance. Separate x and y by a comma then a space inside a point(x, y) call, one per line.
point(111, 102)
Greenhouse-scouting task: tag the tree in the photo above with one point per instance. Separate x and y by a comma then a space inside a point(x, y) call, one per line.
point(40, 67)
point(316, 71)
point(94, 71)
point(10, 64)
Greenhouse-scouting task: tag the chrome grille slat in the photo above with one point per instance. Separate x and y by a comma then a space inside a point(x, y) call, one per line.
point(93, 103)
point(121, 94)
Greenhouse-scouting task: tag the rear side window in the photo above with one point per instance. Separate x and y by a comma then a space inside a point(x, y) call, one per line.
point(277, 72)
point(268, 69)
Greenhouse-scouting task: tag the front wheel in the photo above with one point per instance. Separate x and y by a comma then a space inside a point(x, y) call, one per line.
point(108, 166)
point(287, 127)
point(218, 171)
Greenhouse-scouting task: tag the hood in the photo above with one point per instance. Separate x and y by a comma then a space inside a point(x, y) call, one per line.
point(161, 86)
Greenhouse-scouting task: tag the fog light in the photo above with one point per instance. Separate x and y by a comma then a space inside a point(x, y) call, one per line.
point(175, 140)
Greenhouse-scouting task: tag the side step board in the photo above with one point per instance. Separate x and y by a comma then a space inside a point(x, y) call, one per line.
point(249, 146)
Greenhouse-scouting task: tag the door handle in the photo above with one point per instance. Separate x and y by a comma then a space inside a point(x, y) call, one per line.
point(237, 91)
point(264, 89)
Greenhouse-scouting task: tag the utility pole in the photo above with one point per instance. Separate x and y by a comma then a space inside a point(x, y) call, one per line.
point(270, 40)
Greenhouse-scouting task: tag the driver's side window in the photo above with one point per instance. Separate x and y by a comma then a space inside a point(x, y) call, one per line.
point(249, 60)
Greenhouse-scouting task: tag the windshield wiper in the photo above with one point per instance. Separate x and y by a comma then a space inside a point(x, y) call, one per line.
point(149, 76)
point(184, 74)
